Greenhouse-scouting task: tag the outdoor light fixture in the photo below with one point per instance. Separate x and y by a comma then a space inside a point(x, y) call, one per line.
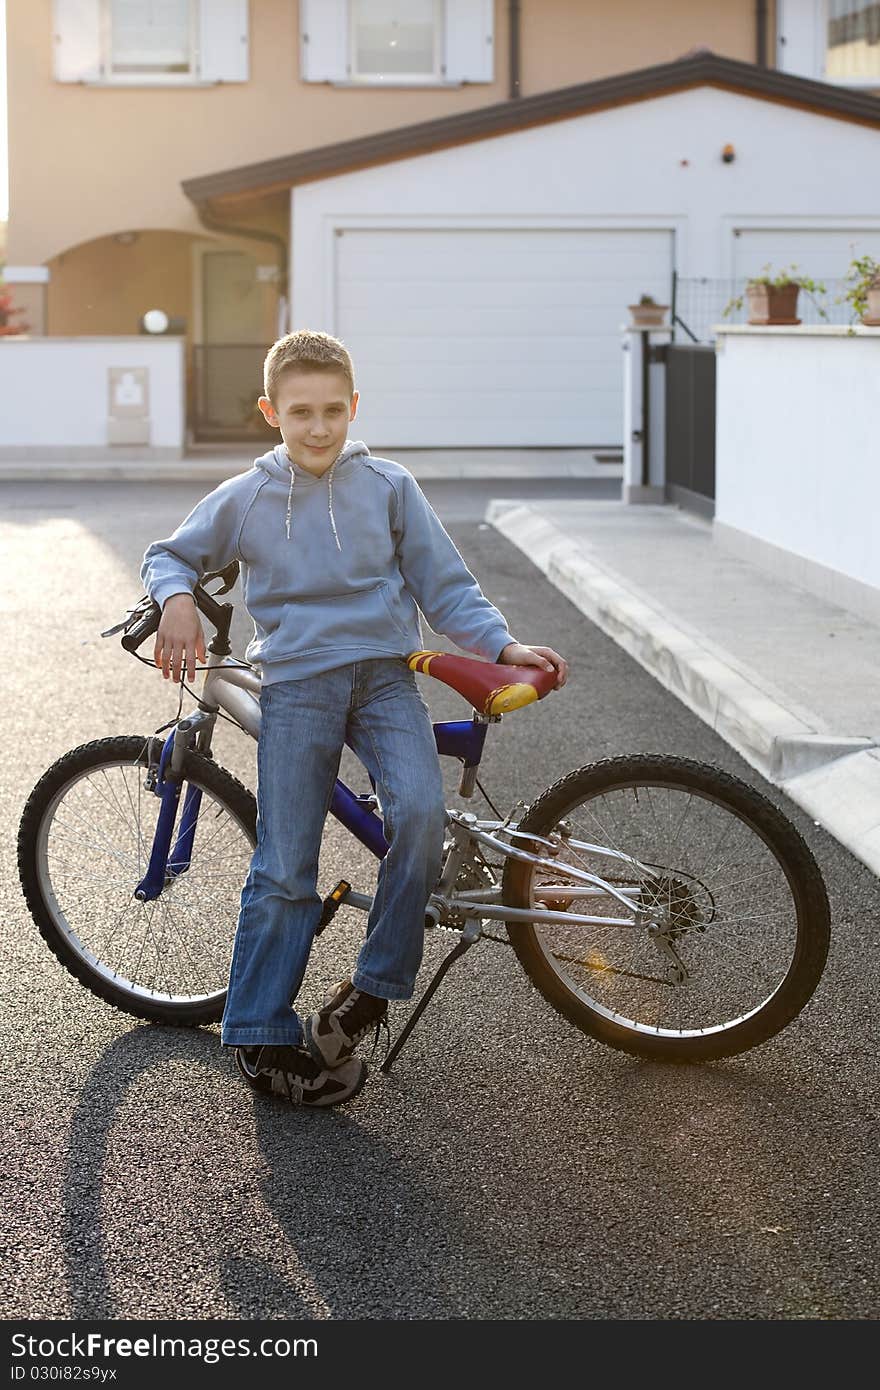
point(155, 321)
point(728, 154)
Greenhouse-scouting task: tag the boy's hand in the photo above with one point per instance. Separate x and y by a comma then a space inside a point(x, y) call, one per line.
point(180, 641)
point(515, 654)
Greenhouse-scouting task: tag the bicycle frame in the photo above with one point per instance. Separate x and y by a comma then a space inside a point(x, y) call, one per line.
point(236, 690)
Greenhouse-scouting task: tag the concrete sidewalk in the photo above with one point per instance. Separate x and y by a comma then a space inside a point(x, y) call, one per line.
point(210, 465)
point(788, 680)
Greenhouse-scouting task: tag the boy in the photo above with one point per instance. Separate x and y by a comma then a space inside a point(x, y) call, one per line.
point(337, 548)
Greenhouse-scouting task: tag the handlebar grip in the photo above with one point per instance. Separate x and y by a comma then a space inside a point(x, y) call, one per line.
point(142, 628)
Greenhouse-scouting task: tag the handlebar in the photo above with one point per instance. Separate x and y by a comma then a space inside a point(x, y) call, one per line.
point(141, 630)
point(145, 618)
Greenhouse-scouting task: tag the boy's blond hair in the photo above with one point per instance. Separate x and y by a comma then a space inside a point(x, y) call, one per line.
point(307, 351)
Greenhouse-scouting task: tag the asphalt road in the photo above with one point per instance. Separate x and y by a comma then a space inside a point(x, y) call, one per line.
point(509, 1167)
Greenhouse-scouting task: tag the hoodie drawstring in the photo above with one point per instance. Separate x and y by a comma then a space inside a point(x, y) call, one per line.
point(290, 501)
point(329, 501)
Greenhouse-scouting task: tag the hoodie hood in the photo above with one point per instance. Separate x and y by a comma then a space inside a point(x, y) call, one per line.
point(278, 464)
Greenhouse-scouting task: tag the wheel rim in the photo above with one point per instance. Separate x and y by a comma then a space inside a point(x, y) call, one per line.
point(93, 849)
point(709, 895)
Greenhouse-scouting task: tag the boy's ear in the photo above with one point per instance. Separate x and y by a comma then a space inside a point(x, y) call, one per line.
point(354, 405)
point(268, 410)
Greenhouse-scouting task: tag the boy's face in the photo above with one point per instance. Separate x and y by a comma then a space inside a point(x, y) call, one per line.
point(313, 411)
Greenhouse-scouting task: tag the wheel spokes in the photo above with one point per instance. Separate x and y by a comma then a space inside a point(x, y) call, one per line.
point(94, 853)
point(715, 900)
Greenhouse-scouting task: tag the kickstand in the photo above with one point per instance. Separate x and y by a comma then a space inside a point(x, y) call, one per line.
point(457, 951)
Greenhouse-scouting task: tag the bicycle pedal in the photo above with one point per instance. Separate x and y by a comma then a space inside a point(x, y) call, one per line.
point(332, 904)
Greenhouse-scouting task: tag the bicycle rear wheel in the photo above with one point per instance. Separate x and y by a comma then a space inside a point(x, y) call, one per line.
point(83, 846)
point(720, 933)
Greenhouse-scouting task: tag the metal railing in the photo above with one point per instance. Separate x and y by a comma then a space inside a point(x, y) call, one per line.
point(698, 306)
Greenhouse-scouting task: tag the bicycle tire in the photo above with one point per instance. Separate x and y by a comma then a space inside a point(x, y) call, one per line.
point(588, 988)
point(66, 940)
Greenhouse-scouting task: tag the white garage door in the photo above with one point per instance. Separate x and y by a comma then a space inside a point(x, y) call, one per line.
point(492, 338)
point(819, 253)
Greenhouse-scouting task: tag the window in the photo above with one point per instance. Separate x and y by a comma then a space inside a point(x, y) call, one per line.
point(830, 40)
point(852, 44)
point(149, 37)
point(150, 42)
point(397, 43)
point(396, 40)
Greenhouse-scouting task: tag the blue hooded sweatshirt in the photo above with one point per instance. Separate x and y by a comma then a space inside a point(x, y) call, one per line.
point(334, 569)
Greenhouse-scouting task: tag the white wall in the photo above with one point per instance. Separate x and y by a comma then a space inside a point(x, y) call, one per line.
point(54, 396)
point(797, 447)
point(621, 167)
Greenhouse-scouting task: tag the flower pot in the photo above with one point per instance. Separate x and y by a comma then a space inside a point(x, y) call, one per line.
point(773, 303)
point(648, 315)
point(872, 315)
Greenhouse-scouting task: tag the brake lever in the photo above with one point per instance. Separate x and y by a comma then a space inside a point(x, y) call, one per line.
point(134, 615)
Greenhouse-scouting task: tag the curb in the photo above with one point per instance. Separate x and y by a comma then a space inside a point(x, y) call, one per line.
point(835, 778)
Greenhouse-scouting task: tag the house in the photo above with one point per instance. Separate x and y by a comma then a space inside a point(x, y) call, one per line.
point(469, 192)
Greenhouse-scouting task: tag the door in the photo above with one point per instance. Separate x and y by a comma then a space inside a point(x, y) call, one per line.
point(492, 338)
point(820, 253)
point(690, 426)
point(228, 363)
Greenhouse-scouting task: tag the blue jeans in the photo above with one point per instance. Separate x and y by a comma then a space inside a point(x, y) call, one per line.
point(377, 706)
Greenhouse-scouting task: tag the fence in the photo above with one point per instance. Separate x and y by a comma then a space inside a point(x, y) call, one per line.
point(698, 306)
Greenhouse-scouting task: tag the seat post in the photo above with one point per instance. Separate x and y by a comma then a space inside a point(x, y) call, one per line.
point(468, 777)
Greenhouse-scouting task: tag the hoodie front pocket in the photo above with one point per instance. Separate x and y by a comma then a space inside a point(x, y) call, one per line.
point(397, 621)
point(354, 618)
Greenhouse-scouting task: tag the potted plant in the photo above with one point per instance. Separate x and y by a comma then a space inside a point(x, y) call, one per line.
point(863, 290)
point(648, 313)
point(8, 329)
point(773, 298)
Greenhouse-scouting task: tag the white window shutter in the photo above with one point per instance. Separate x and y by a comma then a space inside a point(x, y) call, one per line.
point(223, 40)
point(323, 40)
point(470, 42)
point(76, 40)
point(801, 44)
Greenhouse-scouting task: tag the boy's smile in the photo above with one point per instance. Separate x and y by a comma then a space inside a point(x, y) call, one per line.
point(313, 410)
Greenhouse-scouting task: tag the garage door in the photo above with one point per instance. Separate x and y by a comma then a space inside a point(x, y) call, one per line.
point(819, 253)
point(492, 338)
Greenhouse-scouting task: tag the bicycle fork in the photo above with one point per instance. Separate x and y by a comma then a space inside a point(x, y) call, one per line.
point(166, 781)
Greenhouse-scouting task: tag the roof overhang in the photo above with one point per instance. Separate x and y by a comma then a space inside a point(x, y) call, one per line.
point(700, 69)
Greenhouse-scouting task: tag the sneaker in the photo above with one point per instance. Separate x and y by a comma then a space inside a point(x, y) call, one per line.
point(332, 992)
point(343, 1021)
point(293, 1074)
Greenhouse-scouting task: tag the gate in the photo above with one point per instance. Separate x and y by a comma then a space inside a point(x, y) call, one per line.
point(690, 426)
point(227, 379)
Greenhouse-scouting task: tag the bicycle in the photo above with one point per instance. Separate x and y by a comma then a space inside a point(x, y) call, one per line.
point(661, 905)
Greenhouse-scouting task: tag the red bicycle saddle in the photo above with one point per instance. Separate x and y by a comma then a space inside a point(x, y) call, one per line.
point(490, 687)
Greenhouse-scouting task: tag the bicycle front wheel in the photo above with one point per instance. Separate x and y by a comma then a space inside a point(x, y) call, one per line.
point(83, 846)
point(714, 920)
